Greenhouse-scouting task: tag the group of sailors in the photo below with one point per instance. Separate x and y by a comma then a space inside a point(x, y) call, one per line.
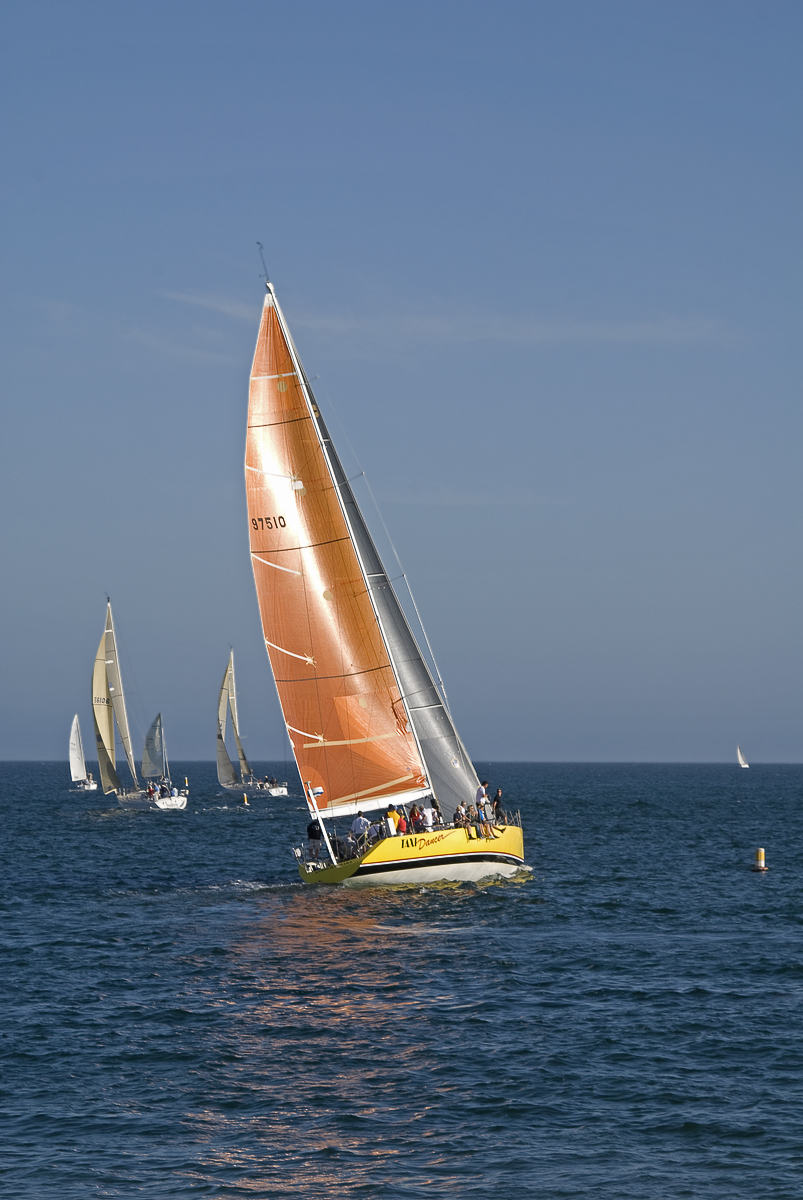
point(483, 818)
point(269, 783)
point(161, 789)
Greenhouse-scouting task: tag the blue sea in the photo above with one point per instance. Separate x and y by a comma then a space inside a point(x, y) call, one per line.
point(181, 1017)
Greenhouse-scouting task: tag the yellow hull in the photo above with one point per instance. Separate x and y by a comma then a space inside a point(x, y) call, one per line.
point(445, 854)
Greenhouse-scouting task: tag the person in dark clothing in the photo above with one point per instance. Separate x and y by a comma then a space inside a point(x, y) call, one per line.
point(499, 816)
point(314, 837)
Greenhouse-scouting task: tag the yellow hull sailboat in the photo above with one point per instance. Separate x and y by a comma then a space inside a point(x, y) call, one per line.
point(443, 854)
point(369, 727)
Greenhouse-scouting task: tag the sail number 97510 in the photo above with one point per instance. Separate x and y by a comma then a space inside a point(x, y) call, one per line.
point(268, 522)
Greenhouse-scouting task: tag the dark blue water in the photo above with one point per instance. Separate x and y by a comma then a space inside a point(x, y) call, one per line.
point(181, 1017)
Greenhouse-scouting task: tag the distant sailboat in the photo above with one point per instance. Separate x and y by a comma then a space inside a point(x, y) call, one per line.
point(108, 708)
point(78, 770)
point(226, 771)
point(155, 767)
point(741, 758)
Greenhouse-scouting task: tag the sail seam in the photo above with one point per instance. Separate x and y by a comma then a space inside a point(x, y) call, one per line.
point(371, 791)
point(288, 421)
point(340, 675)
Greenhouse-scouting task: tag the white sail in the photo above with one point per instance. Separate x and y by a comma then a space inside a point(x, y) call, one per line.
point(226, 774)
point(103, 716)
point(154, 755)
point(245, 768)
point(227, 704)
point(741, 758)
point(77, 764)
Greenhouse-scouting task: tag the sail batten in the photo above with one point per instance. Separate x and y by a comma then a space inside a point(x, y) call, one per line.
point(362, 664)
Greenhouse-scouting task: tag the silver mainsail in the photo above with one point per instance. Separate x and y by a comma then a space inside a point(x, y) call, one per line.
point(154, 754)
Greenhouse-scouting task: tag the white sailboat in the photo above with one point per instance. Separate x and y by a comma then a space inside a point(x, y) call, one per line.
point(156, 769)
point(369, 727)
point(108, 710)
point(227, 773)
point(740, 758)
point(78, 771)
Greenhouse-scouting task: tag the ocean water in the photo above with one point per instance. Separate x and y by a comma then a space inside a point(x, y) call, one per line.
point(181, 1017)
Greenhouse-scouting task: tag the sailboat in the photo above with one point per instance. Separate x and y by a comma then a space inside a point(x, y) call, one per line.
point(226, 770)
point(78, 771)
point(108, 709)
point(155, 767)
point(740, 758)
point(368, 725)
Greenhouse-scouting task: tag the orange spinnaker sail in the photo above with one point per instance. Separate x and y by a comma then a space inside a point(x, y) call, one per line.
point(347, 722)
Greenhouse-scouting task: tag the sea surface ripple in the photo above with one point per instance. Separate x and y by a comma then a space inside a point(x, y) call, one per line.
point(181, 1017)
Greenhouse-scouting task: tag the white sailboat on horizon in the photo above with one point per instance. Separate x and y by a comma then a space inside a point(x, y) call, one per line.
point(740, 758)
point(78, 771)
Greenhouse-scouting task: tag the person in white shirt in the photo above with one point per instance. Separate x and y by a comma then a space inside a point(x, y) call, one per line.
point(427, 814)
point(359, 826)
point(481, 793)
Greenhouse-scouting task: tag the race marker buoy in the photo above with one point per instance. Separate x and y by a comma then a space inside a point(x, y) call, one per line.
point(759, 864)
point(245, 799)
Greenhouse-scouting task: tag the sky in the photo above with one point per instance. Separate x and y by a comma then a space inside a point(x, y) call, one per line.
point(544, 259)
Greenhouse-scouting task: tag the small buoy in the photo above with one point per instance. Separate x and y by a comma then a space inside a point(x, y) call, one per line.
point(245, 801)
point(759, 864)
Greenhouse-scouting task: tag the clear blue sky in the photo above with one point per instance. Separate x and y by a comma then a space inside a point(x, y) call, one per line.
point(544, 257)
